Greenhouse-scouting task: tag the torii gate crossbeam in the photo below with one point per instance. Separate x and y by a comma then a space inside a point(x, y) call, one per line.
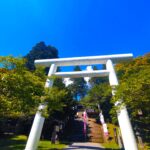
point(89, 60)
point(123, 118)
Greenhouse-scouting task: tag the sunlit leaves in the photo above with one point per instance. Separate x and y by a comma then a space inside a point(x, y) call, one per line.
point(21, 91)
point(134, 86)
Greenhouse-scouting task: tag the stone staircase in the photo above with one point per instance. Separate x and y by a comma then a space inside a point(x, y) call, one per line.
point(75, 131)
point(95, 133)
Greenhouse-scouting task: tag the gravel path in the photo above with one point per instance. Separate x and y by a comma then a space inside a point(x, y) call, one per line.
point(85, 146)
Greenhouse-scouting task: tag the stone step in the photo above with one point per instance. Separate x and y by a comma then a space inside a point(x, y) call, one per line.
point(95, 134)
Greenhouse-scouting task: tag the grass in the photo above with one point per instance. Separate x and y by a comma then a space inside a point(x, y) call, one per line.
point(46, 145)
point(111, 144)
point(146, 147)
point(19, 142)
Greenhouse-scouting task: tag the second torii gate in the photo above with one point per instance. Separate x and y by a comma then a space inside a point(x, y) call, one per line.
point(129, 140)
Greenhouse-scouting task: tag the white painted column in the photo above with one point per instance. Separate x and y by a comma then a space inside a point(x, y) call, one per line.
point(49, 83)
point(36, 129)
point(128, 137)
point(38, 122)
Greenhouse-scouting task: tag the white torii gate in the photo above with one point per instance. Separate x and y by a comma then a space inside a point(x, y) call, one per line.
point(129, 140)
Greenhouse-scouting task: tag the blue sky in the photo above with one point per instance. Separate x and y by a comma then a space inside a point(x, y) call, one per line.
point(75, 27)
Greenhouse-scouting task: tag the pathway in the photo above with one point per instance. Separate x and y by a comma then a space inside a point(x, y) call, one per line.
point(85, 146)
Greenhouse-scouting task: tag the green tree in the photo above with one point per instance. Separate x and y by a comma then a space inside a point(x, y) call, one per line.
point(134, 86)
point(99, 94)
point(40, 51)
point(20, 90)
point(78, 87)
point(98, 80)
point(134, 89)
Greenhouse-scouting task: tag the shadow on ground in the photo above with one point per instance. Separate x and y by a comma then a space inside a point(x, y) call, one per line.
point(74, 131)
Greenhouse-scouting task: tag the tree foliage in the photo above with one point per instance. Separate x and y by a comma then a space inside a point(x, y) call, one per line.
point(21, 91)
point(98, 80)
point(134, 86)
point(79, 86)
point(40, 51)
point(99, 94)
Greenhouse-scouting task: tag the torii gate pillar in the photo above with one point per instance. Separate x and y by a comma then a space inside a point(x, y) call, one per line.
point(38, 122)
point(122, 114)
